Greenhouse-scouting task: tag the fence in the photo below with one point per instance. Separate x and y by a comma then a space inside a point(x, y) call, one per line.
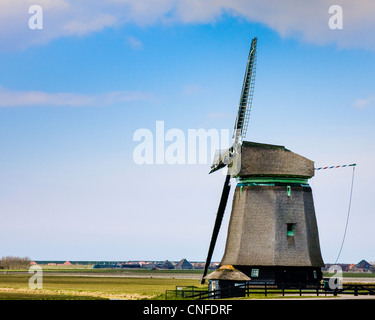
point(184, 292)
point(244, 290)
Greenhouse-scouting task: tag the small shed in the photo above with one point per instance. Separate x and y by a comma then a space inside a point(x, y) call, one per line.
point(227, 281)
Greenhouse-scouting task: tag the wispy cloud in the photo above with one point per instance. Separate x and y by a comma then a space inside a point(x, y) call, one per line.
point(305, 20)
point(88, 24)
point(365, 103)
point(13, 98)
point(134, 43)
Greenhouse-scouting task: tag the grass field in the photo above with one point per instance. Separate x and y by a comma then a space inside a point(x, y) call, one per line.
point(83, 283)
point(75, 283)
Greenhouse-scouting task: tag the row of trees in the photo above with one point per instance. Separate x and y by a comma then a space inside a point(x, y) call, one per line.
point(10, 262)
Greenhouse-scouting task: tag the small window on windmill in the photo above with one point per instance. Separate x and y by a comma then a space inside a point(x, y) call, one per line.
point(315, 274)
point(290, 229)
point(255, 273)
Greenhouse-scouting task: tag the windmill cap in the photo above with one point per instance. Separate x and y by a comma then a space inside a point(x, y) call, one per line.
point(260, 159)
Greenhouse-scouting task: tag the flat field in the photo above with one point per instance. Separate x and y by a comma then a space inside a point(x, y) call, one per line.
point(83, 283)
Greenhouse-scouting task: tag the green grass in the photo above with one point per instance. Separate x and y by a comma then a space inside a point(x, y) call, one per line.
point(75, 283)
point(352, 275)
point(81, 287)
point(43, 296)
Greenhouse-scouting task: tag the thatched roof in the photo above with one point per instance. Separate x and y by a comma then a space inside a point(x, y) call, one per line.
point(227, 273)
point(259, 159)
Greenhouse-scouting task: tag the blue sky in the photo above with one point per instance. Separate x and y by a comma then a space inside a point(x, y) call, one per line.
point(70, 102)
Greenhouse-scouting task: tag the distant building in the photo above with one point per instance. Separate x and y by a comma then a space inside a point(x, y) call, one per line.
point(131, 265)
point(351, 266)
point(150, 265)
point(198, 265)
point(184, 265)
point(167, 265)
point(363, 266)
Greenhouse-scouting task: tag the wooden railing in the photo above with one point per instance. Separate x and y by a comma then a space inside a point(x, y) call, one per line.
point(244, 290)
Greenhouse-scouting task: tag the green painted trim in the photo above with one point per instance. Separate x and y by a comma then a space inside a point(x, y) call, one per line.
point(288, 190)
point(270, 180)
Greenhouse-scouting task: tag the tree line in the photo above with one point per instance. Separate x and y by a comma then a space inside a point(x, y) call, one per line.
point(11, 262)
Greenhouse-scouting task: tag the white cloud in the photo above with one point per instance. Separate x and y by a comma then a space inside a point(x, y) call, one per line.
point(12, 98)
point(305, 20)
point(364, 103)
point(87, 24)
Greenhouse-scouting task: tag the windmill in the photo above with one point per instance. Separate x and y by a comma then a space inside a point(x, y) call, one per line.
point(272, 233)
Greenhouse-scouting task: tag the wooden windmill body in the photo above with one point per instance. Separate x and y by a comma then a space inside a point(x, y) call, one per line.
point(272, 234)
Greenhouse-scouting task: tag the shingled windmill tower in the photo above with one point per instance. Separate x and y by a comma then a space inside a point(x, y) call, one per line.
point(272, 234)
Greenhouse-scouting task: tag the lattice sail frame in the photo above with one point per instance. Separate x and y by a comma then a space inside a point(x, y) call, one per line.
point(225, 157)
point(246, 99)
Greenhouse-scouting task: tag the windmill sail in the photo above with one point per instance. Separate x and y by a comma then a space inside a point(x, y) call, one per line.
point(223, 158)
point(244, 108)
point(218, 220)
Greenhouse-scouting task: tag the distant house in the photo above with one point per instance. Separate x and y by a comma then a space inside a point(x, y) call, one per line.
point(150, 265)
point(131, 265)
point(198, 265)
point(67, 263)
point(184, 265)
point(351, 266)
point(362, 266)
point(167, 265)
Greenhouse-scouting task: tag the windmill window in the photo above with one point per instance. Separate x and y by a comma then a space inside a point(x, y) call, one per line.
point(255, 273)
point(290, 229)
